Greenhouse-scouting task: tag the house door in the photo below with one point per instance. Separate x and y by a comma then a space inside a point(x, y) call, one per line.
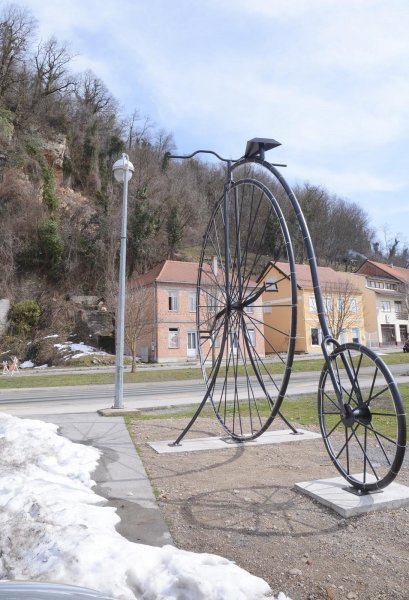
point(191, 344)
point(403, 330)
point(388, 334)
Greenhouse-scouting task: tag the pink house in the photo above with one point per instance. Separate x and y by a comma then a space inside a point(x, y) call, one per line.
point(172, 296)
point(171, 287)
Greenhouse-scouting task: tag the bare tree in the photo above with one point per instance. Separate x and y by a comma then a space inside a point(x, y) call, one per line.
point(16, 28)
point(341, 306)
point(138, 131)
point(138, 318)
point(51, 69)
point(93, 95)
point(392, 249)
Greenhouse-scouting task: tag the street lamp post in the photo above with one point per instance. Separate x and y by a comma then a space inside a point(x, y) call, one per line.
point(122, 170)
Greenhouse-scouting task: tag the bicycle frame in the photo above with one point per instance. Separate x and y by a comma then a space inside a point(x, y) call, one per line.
point(356, 417)
point(327, 338)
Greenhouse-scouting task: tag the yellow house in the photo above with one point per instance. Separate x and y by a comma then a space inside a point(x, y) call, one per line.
point(343, 301)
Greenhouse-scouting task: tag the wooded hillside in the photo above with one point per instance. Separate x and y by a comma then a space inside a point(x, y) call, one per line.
point(60, 133)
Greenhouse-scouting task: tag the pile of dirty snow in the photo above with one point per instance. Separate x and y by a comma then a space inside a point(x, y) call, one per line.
point(56, 529)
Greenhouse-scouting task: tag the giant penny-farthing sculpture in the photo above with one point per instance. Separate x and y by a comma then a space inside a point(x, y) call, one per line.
point(360, 410)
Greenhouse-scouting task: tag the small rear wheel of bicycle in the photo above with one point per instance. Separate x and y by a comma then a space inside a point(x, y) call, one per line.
point(365, 440)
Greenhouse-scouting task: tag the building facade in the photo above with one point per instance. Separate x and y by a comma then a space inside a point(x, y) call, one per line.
point(170, 290)
point(390, 286)
point(343, 295)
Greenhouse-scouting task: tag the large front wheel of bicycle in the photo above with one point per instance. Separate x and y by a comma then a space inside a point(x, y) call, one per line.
point(246, 309)
point(365, 440)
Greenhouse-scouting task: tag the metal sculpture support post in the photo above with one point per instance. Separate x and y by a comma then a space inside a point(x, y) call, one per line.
point(360, 411)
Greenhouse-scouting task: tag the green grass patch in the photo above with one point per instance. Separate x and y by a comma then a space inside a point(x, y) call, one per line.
point(95, 378)
point(301, 410)
point(395, 358)
point(142, 375)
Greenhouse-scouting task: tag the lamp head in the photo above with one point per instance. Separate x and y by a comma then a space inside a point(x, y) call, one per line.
point(123, 165)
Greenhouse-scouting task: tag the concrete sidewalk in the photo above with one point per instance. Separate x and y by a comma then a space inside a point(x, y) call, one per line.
point(120, 475)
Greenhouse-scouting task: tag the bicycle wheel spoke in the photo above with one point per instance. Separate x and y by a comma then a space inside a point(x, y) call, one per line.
point(334, 428)
point(256, 260)
point(247, 272)
point(230, 307)
point(378, 433)
point(348, 439)
point(350, 396)
point(347, 450)
point(368, 402)
point(250, 395)
point(255, 320)
point(374, 439)
point(267, 343)
point(355, 383)
point(335, 403)
point(366, 458)
point(381, 445)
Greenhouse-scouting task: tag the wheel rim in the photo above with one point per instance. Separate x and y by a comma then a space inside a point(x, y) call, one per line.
point(246, 229)
point(367, 442)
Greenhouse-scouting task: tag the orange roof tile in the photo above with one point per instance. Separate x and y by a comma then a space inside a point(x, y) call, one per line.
point(326, 275)
point(397, 272)
point(175, 271)
point(169, 271)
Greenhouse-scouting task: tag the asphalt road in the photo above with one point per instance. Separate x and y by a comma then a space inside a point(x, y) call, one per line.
point(81, 399)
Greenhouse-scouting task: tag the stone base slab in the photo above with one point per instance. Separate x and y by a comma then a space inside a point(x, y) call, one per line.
point(213, 443)
point(332, 493)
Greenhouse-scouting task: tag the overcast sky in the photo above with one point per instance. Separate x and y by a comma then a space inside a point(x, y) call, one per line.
point(329, 79)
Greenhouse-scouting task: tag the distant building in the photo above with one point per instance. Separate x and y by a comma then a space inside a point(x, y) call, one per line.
point(173, 336)
point(390, 286)
point(343, 295)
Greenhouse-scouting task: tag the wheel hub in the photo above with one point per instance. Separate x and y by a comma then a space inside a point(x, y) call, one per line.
point(360, 413)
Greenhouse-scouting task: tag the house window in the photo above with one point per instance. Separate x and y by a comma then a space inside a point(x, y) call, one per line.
point(234, 341)
point(341, 304)
point(192, 302)
point(385, 306)
point(353, 307)
point(173, 303)
point(328, 304)
point(355, 335)
point(271, 285)
point(315, 336)
point(212, 303)
point(313, 304)
point(250, 308)
point(251, 334)
point(173, 337)
point(191, 340)
point(382, 285)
